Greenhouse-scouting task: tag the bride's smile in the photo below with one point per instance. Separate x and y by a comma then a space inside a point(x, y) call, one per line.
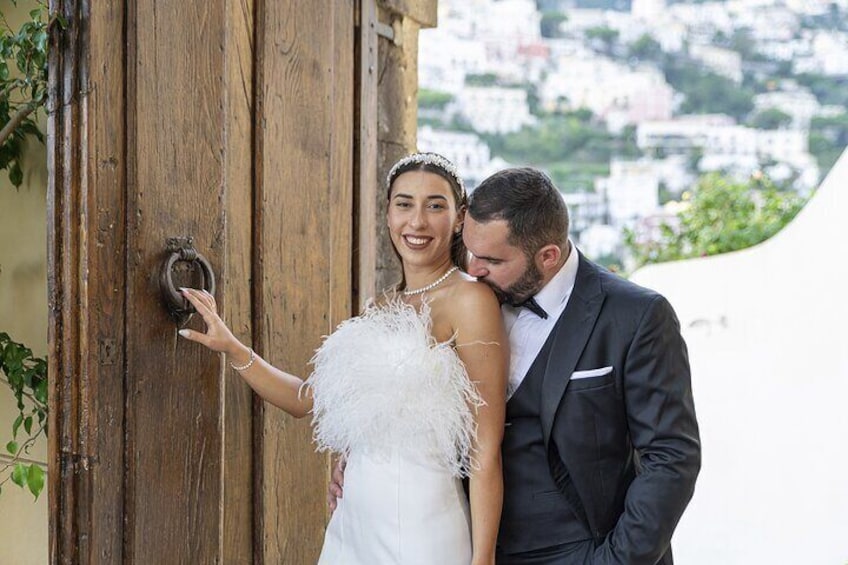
point(416, 242)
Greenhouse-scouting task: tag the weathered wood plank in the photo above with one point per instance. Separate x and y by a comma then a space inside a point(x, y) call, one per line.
point(258, 316)
point(66, 346)
point(341, 298)
point(368, 185)
point(237, 500)
point(174, 411)
point(102, 297)
point(302, 157)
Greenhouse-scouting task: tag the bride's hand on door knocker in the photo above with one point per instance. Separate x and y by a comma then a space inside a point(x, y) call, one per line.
point(218, 336)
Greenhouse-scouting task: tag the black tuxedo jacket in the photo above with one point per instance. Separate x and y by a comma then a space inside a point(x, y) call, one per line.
point(623, 447)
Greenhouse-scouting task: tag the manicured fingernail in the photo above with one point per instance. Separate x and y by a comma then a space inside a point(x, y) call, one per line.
point(183, 333)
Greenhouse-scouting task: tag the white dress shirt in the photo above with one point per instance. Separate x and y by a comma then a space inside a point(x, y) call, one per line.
point(527, 331)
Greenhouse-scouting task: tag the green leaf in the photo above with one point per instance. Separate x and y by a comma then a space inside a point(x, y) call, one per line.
point(28, 424)
point(16, 175)
point(18, 421)
point(35, 479)
point(12, 447)
point(19, 475)
point(41, 391)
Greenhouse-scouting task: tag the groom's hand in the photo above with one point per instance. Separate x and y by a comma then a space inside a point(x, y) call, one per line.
point(335, 490)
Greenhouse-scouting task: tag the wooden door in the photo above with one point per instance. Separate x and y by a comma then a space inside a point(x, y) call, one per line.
point(230, 121)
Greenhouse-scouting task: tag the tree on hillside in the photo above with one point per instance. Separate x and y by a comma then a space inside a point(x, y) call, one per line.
point(771, 118)
point(433, 99)
point(829, 90)
point(646, 48)
point(550, 24)
point(604, 35)
point(707, 92)
point(484, 79)
point(828, 139)
point(721, 216)
point(742, 41)
point(556, 137)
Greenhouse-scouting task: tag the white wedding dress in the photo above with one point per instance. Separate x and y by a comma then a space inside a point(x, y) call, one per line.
point(399, 406)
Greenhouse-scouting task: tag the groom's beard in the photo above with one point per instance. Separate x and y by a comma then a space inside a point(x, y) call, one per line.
point(529, 284)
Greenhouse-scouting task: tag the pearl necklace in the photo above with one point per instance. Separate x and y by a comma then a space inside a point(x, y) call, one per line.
point(432, 285)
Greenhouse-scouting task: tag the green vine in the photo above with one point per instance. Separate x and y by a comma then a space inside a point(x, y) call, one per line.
point(23, 92)
point(23, 85)
point(26, 375)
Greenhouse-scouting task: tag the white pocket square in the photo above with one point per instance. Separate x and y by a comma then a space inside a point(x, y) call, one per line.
point(591, 373)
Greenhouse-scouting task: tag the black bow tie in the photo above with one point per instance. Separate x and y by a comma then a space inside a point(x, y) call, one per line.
point(534, 307)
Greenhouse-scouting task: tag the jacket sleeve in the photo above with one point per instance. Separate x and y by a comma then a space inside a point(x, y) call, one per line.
point(664, 431)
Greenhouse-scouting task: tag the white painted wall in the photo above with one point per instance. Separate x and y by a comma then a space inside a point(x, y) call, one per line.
point(767, 330)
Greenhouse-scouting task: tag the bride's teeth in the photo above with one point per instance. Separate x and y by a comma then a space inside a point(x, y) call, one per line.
point(416, 241)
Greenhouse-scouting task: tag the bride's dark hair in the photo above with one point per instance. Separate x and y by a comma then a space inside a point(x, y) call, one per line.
point(438, 165)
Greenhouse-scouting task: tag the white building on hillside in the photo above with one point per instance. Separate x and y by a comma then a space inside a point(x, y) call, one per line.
point(703, 17)
point(786, 50)
point(722, 61)
point(445, 60)
point(495, 109)
point(680, 134)
point(502, 25)
point(647, 10)
point(631, 191)
point(585, 209)
point(830, 48)
point(599, 240)
point(767, 21)
point(800, 104)
point(470, 154)
point(609, 89)
point(509, 22)
point(726, 146)
point(639, 96)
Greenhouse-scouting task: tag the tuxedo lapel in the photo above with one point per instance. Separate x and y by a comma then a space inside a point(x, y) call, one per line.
point(571, 335)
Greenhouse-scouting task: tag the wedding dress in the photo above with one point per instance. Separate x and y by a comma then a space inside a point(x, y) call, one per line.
point(399, 406)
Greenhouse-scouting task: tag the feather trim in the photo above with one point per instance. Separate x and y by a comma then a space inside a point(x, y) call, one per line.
point(382, 382)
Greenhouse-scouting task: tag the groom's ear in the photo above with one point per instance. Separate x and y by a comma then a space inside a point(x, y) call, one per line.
point(548, 257)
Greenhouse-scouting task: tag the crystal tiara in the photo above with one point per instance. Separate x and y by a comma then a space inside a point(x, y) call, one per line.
point(433, 159)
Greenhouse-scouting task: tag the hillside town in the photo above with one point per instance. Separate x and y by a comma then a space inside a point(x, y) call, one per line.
point(627, 104)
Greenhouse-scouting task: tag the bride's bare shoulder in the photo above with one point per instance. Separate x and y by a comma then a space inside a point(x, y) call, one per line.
point(474, 313)
point(470, 296)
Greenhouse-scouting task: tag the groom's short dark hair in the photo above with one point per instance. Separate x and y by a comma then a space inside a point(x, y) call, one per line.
point(529, 202)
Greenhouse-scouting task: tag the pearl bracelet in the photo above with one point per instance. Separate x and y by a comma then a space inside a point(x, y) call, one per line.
point(249, 362)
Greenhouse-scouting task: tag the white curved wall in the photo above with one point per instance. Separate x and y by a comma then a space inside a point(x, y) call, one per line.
point(767, 330)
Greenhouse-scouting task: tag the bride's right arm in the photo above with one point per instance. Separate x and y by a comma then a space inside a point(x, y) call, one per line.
point(483, 347)
point(281, 389)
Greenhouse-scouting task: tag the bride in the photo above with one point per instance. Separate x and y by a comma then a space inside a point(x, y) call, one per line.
point(410, 393)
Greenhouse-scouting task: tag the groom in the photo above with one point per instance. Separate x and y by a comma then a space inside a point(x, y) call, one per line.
point(601, 447)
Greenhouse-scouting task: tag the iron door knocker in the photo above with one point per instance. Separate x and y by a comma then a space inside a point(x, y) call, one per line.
point(183, 256)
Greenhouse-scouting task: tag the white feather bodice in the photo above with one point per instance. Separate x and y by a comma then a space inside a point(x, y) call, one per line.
point(382, 382)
